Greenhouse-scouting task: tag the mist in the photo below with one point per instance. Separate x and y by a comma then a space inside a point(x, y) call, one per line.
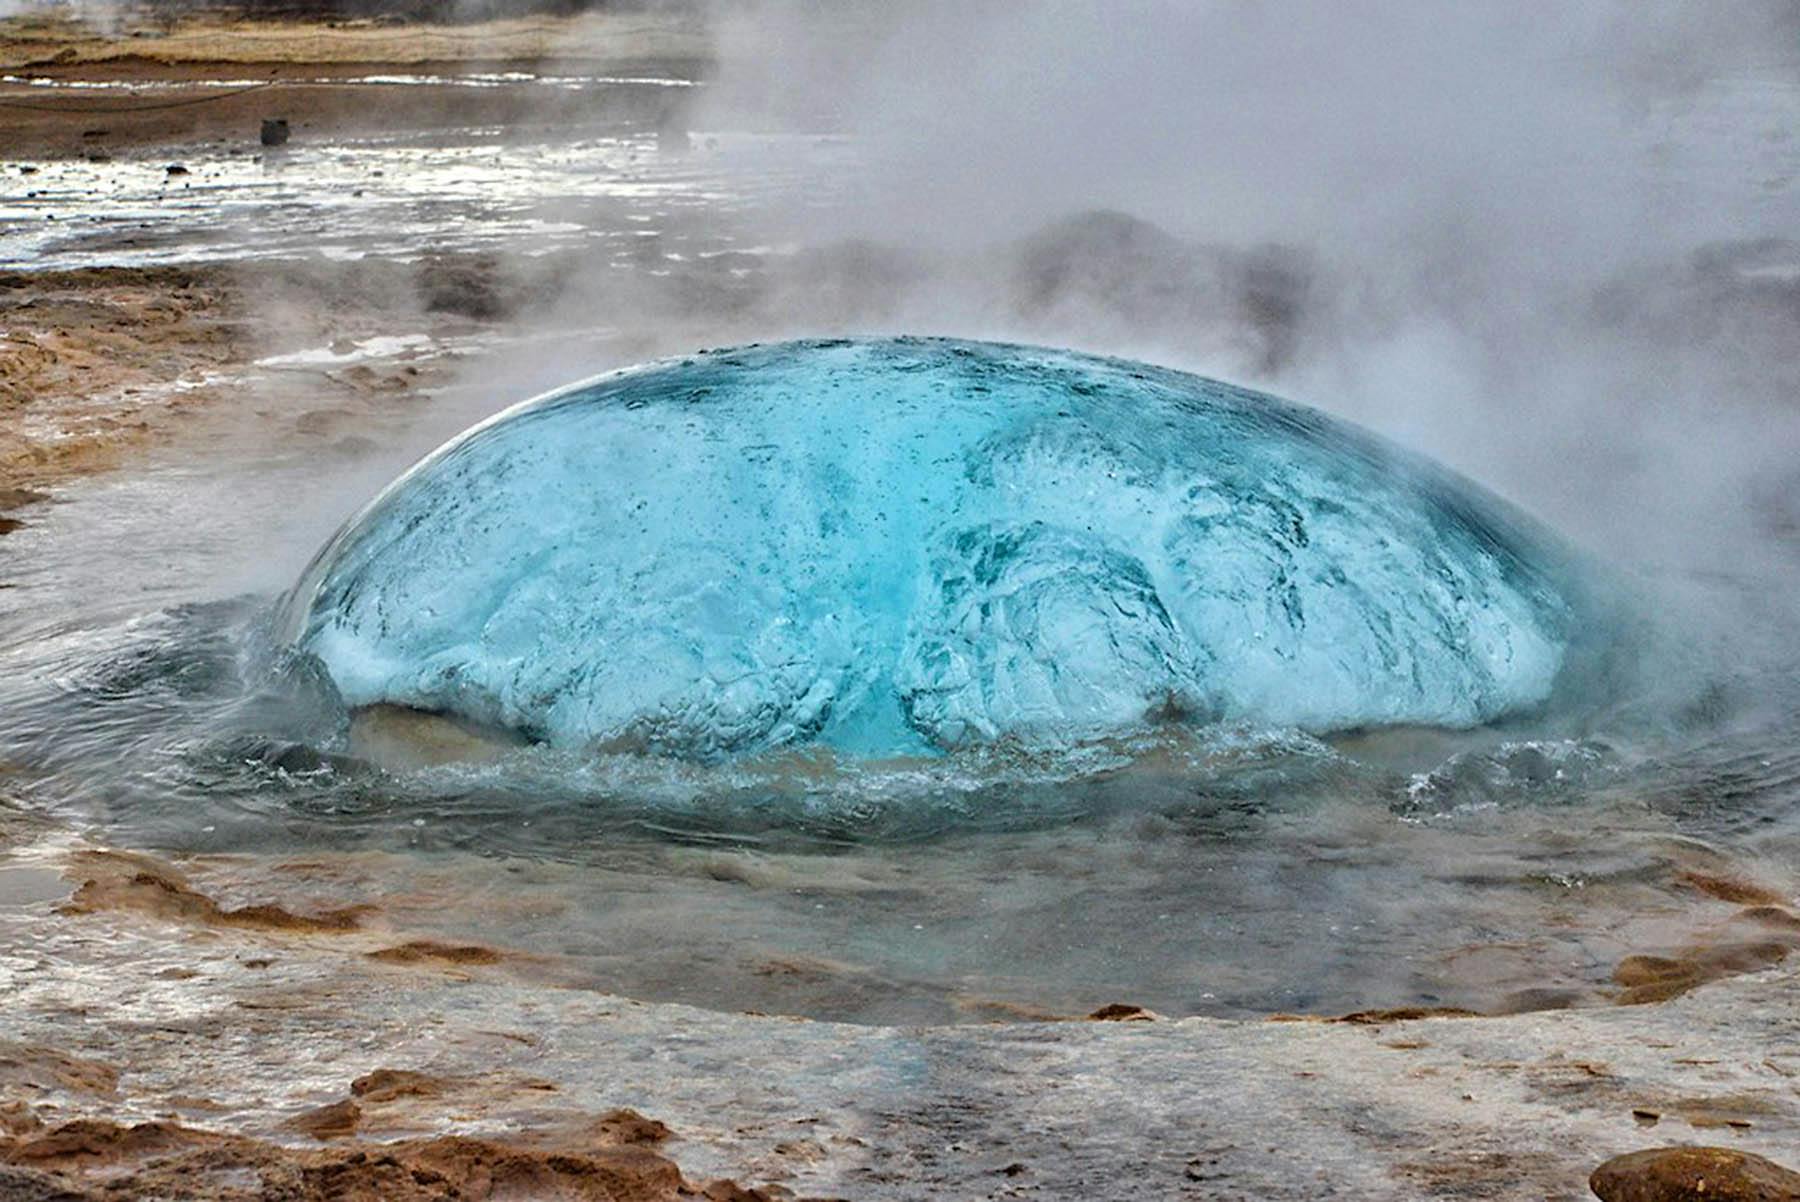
point(1554, 247)
point(1546, 245)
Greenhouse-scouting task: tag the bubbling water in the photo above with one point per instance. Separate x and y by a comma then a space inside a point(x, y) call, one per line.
point(903, 547)
point(1224, 867)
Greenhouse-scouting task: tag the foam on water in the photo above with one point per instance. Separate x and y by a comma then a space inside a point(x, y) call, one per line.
point(904, 546)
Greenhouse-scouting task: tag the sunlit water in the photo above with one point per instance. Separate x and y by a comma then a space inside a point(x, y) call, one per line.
point(1227, 871)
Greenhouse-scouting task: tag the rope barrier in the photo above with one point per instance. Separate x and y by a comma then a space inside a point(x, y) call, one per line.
point(135, 108)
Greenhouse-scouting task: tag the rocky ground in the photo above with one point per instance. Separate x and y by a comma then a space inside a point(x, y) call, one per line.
point(96, 363)
point(159, 1039)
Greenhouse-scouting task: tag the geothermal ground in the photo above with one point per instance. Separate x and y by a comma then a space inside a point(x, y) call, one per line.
point(213, 351)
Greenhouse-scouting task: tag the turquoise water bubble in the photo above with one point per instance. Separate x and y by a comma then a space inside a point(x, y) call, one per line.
point(906, 546)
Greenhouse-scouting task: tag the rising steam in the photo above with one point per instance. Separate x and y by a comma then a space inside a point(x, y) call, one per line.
point(1545, 246)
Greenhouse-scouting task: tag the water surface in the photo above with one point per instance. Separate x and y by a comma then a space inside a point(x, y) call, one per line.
point(1231, 870)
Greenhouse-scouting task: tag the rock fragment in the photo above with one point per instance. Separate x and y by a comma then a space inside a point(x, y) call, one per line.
point(1694, 1174)
point(1123, 1012)
point(431, 951)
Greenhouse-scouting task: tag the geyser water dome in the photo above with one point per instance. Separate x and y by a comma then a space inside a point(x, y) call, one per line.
point(904, 546)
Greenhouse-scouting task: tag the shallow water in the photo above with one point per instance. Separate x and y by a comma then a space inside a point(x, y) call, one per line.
point(601, 191)
point(1232, 871)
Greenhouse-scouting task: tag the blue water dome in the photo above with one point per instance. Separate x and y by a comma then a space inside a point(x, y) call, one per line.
point(908, 546)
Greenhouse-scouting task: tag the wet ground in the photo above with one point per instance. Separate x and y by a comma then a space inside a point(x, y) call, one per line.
point(354, 298)
point(611, 198)
point(233, 1049)
point(1233, 873)
point(390, 287)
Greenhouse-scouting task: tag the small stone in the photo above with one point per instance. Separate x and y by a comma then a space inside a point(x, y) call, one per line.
point(1770, 916)
point(1122, 1012)
point(18, 498)
point(328, 1122)
point(387, 1084)
point(1694, 1175)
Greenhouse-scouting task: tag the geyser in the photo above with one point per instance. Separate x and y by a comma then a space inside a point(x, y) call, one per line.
point(900, 546)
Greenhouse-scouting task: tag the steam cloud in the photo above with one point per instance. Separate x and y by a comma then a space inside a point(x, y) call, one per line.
point(1544, 244)
point(1553, 246)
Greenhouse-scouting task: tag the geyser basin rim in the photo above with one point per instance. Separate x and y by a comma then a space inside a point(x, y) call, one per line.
point(904, 545)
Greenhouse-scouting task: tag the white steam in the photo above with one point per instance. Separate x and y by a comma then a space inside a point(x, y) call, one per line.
point(1524, 239)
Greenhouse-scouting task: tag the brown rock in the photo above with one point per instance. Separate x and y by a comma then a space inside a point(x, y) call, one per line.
point(133, 883)
point(386, 1084)
point(85, 1142)
point(417, 1094)
point(1529, 1001)
point(428, 951)
point(16, 1118)
point(34, 1067)
point(1753, 955)
point(398, 737)
point(1122, 1012)
point(1647, 970)
point(627, 1126)
point(329, 1122)
point(1732, 889)
point(1659, 978)
point(83, 346)
point(1694, 1175)
point(1774, 917)
point(731, 1191)
point(1002, 1010)
point(1654, 978)
point(164, 1160)
point(1403, 1014)
point(18, 498)
point(18, 1185)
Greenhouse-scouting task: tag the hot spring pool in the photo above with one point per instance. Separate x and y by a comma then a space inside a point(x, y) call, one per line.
point(955, 703)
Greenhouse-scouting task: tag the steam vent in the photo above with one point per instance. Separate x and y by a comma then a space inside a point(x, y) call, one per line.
point(905, 546)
